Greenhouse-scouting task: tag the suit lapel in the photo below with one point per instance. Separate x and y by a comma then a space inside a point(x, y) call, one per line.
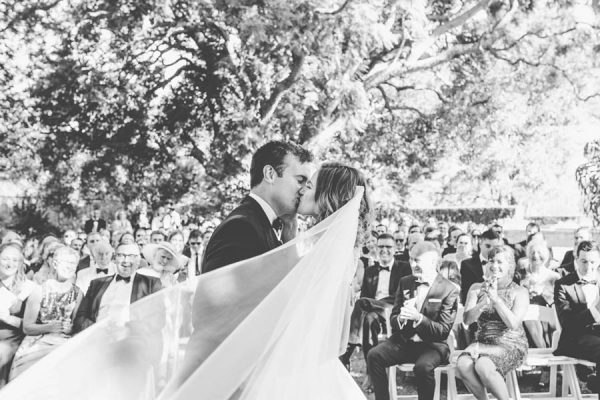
point(98, 298)
point(578, 293)
point(137, 288)
point(267, 228)
point(435, 291)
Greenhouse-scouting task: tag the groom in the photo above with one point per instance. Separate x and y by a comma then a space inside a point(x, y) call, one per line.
point(278, 175)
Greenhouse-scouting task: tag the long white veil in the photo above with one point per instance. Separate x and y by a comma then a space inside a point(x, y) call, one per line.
point(266, 328)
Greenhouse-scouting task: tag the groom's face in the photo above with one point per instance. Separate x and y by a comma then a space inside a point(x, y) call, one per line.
point(291, 185)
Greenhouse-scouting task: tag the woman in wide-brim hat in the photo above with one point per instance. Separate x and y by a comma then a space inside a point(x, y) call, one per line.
point(163, 262)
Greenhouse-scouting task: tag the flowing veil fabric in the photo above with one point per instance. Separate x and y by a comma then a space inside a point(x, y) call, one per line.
point(266, 328)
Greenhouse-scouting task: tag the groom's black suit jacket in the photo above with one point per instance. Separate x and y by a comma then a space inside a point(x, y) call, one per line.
point(90, 305)
point(244, 234)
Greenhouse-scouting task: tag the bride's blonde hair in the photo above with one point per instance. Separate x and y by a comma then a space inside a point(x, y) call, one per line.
point(336, 185)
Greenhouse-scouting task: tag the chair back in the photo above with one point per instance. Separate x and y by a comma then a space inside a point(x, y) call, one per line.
point(545, 314)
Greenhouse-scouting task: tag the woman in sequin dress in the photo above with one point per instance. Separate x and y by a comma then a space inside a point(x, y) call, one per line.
point(498, 306)
point(49, 312)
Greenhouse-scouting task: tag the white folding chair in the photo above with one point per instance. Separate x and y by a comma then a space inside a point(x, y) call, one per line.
point(449, 369)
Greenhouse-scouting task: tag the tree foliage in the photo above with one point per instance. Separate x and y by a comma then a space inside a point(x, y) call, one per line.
point(158, 100)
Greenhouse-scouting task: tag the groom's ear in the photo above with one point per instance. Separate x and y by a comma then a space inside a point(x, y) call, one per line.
point(269, 173)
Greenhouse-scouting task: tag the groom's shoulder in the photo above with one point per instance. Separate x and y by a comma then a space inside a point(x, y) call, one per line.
point(246, 213)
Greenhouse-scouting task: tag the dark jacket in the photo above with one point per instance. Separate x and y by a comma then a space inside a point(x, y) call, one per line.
point(89, 225)
point(439, 312)
point(573, 313)
point(371, 280)
point(87, 313)
point(244, 234)
point(471, 271)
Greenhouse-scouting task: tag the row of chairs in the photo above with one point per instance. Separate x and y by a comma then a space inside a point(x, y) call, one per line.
point(536, 357)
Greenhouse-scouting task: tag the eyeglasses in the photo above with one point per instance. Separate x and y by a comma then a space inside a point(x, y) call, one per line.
point(399, 240)
point(121, 256)
point(195, 243)
point(386, 247)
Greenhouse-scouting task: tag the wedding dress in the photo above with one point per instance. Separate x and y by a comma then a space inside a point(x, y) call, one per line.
point(271, 327)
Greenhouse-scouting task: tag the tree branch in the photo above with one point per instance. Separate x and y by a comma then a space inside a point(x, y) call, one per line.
point(267, 109)
point(413, 87)
point(422, 46)
point(391, 108)
point(538, 63)
point(334, 12)
point(404, 68)
point(28, 12)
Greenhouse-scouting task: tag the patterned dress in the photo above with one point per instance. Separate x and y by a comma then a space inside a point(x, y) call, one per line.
point(511, 344)
point(54, 306)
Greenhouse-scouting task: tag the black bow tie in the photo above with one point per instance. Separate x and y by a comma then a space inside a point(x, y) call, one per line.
point(586, 282)
point(102, 270)
point(122, 278)
point(386, 268)
point(277, 224)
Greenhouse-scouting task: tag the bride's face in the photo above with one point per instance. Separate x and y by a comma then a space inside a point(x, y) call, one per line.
point(308, 205)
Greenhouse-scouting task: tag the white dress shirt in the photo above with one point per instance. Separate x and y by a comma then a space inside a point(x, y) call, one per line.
point(590, 292)
point(86, 275)
point(383, 285)
point(116, 300)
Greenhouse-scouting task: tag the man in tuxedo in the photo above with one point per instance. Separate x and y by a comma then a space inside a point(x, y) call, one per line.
point(100, 265)
point(91, 241)
point(471, 269)
point(95, 223)
point(111, 296)
point(577, 301)
point(377, 293)
point(422, 317)
point(279, 172)
point(401, 248)
point(567, 265)
point(194, 252)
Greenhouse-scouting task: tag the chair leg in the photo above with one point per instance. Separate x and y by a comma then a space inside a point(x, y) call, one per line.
point(566, 381)
point(438, 383)
point(392, 383)
point(553, 377)
point(513, 385)
point(452, 391)
point(574, 382)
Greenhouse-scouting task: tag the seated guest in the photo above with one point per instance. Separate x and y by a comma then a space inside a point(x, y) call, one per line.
point(95, 223)
point(422, 317)
point(37, 263)
point(77, 245)
point(163, 263)
point(531, 229)
point(471, 269)
point(444, 229)
point(464, 249)
point(126, 238)
point(49, 311)
point(377, 293)
point(539, 280)
point(498, 306)
point(453, 233)
point(578, 307)
point(380, 229)
point(157, 237)
point(415, 228)
point(451, 272)
point(15, 288)
point(401, 249)
point(567, 265)
point(68, 237)
point(121, 223)
point(141, 236)
point(111, 296)
point(45, 271)
point(101, 265)
point(194, 252)
point(91, 240)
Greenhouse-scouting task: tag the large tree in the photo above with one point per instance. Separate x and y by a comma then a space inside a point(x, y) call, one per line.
point(166, 99)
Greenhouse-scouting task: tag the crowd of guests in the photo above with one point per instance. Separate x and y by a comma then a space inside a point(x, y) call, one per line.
point(411, 283)
point(54, 287)
point(416, 279)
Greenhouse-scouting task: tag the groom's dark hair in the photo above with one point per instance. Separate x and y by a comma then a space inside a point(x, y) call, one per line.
point(273, 154)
